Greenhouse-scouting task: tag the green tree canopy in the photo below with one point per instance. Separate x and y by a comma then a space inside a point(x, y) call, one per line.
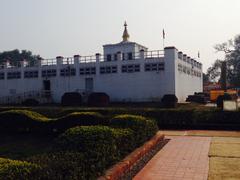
point(232, 57)
point(16, 56)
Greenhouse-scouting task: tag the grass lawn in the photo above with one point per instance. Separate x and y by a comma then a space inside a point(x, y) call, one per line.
point(224, 158)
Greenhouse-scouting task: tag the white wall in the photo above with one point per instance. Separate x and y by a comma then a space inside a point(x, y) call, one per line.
point(136, 86)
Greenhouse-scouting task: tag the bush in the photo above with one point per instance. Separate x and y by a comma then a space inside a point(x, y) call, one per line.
point(197, 99)
point(21, 170)
point(169, 101)
point(79, 119)
point(97, 143)
point(222, 98)
point(98, 99)
point(64, 165)
point(22, 121)
point(125, 141)
point(143, 128)
point(71, 99)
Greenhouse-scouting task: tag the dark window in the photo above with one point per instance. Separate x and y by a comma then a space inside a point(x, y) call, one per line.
point(154, 66)
point(13, 75)
point(68, 72)
point(123, 56)
point(108, 69)
point(115, 57)
point(130, 56)
point(87, 71)
point(131, 68)
point(49, 73)
point(1, 75)
point(31, 74)
point(109, 57)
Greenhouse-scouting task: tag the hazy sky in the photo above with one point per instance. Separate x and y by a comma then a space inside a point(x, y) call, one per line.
point(68, 27)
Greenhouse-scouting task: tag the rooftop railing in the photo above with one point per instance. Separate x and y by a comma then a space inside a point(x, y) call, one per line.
point(82, 59)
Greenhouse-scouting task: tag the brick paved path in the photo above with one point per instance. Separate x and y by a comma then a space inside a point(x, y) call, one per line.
point(182, 158)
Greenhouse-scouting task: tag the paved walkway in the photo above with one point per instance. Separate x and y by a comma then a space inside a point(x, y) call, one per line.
point(182, 158)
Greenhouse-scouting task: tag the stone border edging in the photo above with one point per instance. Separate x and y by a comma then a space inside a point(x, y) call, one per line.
point(130, 165)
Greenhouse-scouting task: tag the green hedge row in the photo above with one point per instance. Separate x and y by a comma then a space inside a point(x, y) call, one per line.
point(21, 170)
point(84, 152)
point(24, 121)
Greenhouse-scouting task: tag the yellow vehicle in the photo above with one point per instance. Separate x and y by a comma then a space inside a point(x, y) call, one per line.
point(215, 93)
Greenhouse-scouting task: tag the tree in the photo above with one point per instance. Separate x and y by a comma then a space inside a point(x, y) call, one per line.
point(231, 49)
point(15, 56)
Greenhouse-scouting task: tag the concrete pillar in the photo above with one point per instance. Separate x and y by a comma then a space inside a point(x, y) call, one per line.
point(76, 59)
point(59, 60)
point(184, 57)
point(98, 56)
point(59, 64)
point(142, 54)
point(119, 56)
point(7, 64)
point(170, 69)
point(180, 55)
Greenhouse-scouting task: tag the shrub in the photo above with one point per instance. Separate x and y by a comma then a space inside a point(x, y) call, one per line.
point(79, 119)
point(64, 165)
point(97, 143)
point(71, 99)
point(143, 128)
point(22, 121)
point(98, 99)
point(169, 101)
point(125, 141)
point(197, 98)
point(222, 98)
point(21, 170)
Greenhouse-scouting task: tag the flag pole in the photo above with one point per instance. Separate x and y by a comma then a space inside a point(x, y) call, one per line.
point(163, 35)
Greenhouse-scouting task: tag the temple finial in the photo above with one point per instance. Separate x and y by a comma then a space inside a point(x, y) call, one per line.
point(125, 33)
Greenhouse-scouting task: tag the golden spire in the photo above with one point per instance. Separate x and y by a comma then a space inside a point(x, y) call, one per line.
point(125, 33)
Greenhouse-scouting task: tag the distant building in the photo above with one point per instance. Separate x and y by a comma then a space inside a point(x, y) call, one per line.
point(127, 72)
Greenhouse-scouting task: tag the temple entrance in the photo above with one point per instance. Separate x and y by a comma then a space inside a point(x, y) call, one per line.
point(89, 84)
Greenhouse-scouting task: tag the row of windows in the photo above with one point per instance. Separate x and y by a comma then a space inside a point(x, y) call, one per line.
point(49, 73)
point(108, 69)
point(190, 61)
point(68, 72)
point(31, 74)
point(13, 75)
point(88, 71)
point(154, 67)
point(130, 68)
point(125, 56)
point(188, 71)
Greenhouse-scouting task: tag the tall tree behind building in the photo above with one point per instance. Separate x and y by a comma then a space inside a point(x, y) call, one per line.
point(15, 56)
point(232, 58)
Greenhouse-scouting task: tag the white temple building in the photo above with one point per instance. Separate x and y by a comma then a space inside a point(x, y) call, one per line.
point(127, 72)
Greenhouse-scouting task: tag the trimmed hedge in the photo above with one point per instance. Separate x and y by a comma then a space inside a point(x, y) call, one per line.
point(21, 121)
point(79, 119)
point(98, 99)
point(97, 143)
point(142, 127)
point(21, 170)
point(64, 165)
point(169, 101)
point(125, 141)
point(71, 99)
